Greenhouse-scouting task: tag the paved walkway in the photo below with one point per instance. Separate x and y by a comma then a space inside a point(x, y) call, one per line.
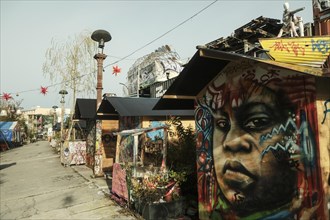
point(34, 185)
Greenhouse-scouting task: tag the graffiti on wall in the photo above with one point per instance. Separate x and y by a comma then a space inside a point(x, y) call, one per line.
point(326, 110)
point(311, 51)
point(257, 146)
point(298, 49)
point(119, 184)
point(126, 148)
point(77, 152)
point(289, 47)
point(98, 150)
point(90, 144)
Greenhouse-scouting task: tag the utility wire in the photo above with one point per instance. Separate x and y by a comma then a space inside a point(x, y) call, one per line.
point(167, 32)
point(135, 51)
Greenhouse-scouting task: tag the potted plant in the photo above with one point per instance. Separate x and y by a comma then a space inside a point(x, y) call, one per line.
point(174, 186)
point(158, 194)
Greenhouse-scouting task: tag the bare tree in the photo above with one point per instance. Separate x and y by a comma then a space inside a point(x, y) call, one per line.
point(71, 64)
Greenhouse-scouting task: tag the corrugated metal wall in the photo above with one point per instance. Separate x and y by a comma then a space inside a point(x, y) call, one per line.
point(310, 51)
point(159, 88)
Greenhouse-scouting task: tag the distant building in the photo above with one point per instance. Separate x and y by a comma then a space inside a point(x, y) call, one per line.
point(38, 119)
point(159, 66)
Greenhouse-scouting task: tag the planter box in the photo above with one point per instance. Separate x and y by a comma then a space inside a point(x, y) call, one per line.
point(163, 210)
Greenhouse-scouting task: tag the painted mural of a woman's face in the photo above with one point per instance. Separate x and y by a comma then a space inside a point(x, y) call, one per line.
point(253, 169)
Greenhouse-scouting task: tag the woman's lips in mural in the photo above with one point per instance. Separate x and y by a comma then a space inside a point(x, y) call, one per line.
point(237, 176)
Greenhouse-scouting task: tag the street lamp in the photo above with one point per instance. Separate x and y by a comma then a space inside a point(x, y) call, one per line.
point(127, 90)
point(62, 93)
point(52, 132)
point(100, 36)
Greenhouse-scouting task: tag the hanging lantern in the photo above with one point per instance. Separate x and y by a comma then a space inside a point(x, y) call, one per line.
point(43, 90)
point(6, 96)
point(115, 70)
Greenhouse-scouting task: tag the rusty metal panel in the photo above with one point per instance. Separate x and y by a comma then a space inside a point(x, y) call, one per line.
point(309, 51)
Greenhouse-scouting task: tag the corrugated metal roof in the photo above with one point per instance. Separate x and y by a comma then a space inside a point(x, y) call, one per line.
point(133, 106)
point(306, 51)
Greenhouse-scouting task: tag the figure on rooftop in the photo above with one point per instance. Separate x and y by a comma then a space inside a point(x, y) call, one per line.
point(291, 22)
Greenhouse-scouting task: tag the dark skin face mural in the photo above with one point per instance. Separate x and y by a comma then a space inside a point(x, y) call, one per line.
point(239, 125)
point(251, 154)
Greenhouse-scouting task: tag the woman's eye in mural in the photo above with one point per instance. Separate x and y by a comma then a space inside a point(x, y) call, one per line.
point(223, 124)
point(255, 116)
point(257, 122)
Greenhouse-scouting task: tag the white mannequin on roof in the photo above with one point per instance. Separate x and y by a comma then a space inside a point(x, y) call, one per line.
point(291, 21)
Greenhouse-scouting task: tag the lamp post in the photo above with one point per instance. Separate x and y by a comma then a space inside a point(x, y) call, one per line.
point(54, 111)
point(62, 93)
point(100, 36)
point(126, 92)
point(54, 121)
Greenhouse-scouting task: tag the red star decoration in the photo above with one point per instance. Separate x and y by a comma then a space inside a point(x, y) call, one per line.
point(6, 96)
point(43, 90)
point(115, 70)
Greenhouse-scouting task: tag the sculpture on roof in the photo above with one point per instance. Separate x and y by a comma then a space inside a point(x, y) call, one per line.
point(291, 22)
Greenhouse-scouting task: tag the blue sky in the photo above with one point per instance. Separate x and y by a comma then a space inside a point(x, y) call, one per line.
point(27, 28)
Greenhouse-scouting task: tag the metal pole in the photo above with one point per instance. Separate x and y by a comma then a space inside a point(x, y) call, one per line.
point(62, 115)
point(61, 150)
point(100, 36)
point(99, 85)
point(98, 157)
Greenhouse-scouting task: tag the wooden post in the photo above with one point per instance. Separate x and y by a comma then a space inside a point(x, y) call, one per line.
point(117, 148)
point(164, 149)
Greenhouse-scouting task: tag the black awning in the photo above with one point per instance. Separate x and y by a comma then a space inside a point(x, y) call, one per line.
point(85, 109)
point(133, 106)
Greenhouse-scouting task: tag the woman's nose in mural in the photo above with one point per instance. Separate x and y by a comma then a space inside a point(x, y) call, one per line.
point(237, 141)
